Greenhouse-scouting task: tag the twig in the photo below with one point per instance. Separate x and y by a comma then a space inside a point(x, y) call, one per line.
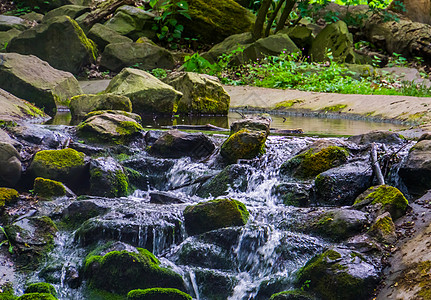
point(375, 164)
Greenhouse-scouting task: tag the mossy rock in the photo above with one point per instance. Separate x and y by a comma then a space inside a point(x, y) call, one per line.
point(122, 271)
point(41, 287)
point(48, 188)
point(7, 196)
point(339, 274)
point(260, 123)
point(244, 144)
point(292, 295)
point(227, 46)
point(272, 45)
point(383, 229)
point(37, 296)
point(310, 163)
point(214, 214)
point(83, 104)
point(103, 35)
point(7, 292)
point(72, 11)
point(10, 160)
point(108, 178)
point(157, 294)
point(65, 165)
point(386, 198)
point(293, 194)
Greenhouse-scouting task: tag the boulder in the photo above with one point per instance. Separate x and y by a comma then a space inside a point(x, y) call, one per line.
point(214, 214)
point(383, 198)
point(110, 126)
point(39, 296)
point(227, 46)
point(6, 37)
point(10, 160)
point(158, 197)
point(148, 94)
point(202, 94)
point(132, 22)
point(47, 188)
point(253, 124)
point(301, 35)
point(341, 185)
point(244, 144)
point(215, 20)
point(377, 136)
point(34, 80)
point(337, 38)
point(41, 287)
point(83, 104)
point(122, 271)
point(383, 229)
point(66, 165)
point(7, 196)
point(214, 284)
point(11, 22)
point(103, 36)
point(33, 17)
point(40, 135)
point(158, 293)
point(60, 41)
point(107, 178)
point(79, 211)
point(416, 170)
point(272, 45)
point(146, 56)
point(338, 274)
point(293, 194)
point(233, 177)
point(175, 144)
point(315, 159)
point(72, 11)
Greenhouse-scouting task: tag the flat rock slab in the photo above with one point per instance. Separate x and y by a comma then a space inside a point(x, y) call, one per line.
point(94, 86)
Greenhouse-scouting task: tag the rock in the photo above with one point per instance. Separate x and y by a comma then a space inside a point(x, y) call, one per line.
point(315, 159)
point(158, 293)
point(336, 37)
point(41, 287)
point(227, 46)
point(341, 185)
point(33, 17)
point(404, 74)
point(252, 124)
point(10, 160)
point(301, 35)
point(72, 11)
point(39, 296)
point(7, 36)
point(151, 136)
point(383, 229)
point(14, 109)
point(293, 194)
point(83, 104)
point(214, 214)
point(103, 36)
point(214, 284)
point(148, 94)
point(66, 165)
point(40, 135)
point(269, 46)
point(146, 56)
point(43, 6)
point(176, 144)
point(233, 177)
point(202, 94)
point(416, 170)
point(60, 41)
point(132, 22)
point(339, 274)
point(340, 224)
point(31, 237)
point(122, 271)
point(403, 36)
point(32, 79)
point(244, 144)
point(7, 196)
point(110, 126)
point(11, 22)
point(164, 198)
point(108, 178)
point(377, 136)
point(79, 211)
point(209, 19)
point(292, 295)
point(48, 188)
point(383, 198)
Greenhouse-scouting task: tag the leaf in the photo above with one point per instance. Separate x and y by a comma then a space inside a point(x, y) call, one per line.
point(184, 14)
point(183, 4)
point(172, 22)
point(165, 29)
point(153, 3)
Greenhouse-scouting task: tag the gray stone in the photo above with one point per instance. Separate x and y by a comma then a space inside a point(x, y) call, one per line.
point(302, 36)
point(10, 22)
point(6, 37)
point(231, 43)
point(377, 136)
point(72, 11)
point(270, 46)
point(10, 160)
point(103, 35)
point(108, 178)
point(82, 104)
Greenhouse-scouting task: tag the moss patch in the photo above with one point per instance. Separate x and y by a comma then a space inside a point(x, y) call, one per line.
point(48, 188)
point(37, 296)
point(7, 195)
point(41, 287)
point(335, 108)
point(157, 294)
point(59, 159)
point(86, 42)
point(244, 144)
point(288, 103)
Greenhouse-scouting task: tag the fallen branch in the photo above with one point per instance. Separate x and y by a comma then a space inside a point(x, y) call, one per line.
point(376, 165)
point(104, 10)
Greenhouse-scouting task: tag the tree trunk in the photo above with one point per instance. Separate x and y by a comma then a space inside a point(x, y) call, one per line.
point(285, 15)
point(104, 10)
point(273, 16)
point(260, 19)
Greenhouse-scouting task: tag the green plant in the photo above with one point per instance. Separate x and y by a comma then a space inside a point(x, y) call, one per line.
point(6, 241)
point(159, 73)
point(4, 47)
point(306, 285)
point(198, 64)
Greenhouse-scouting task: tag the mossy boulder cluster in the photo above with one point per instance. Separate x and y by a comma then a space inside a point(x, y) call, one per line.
point(215, 214)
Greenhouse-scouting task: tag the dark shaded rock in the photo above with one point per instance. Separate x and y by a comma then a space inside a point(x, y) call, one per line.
point(151, 136)
point(7, 36)
point(377, 136)
point(214, 214)
point(107, 178)
point(272, 45)
point(60, 41)
point(72, 11)
point(83, 104)
point(32, 17)
point(39, 135)
point(215, 285)
point(340, 274)
point(416, 170)
point(175, 144)
point(10, 160)
point(227, 46)
point(28, 77)
point(252, 124)
point(301, 35)
point(79, 211)
point(103, 36)
point(294, 194)
point(146, 56)
point(340, 186)
point(158, 197)
point(233, 177)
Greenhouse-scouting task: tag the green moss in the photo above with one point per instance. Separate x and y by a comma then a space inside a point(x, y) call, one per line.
point(158, 293)
point(95, 294)
point(335, 108)
point(129, 128)
point(244, 144)
point(6, 292)
point(122, 185)
point(309, 164)
point(292, 295)
point(88, 44)
point(59, 159)
point(8, 195)
point(41, 287)
point(214, 214)
point(37, 296)
point(288, 103)
point(48, 188)
point(384, 225)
